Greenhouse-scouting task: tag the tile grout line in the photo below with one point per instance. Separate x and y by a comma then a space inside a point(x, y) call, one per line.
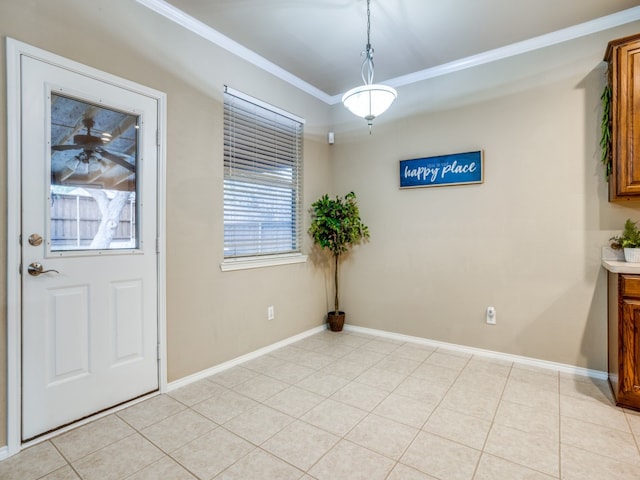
point(519, 404)
point(166, 454)
point(305, 472)
point(559, 427)
point(633, 435)
point(368, 413)
point(597, 425)
point(493, 418)
point(65, 459)
point(420, 429)
point(340, 437)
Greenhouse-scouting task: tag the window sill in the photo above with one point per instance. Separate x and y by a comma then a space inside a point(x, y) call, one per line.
point(258, 262)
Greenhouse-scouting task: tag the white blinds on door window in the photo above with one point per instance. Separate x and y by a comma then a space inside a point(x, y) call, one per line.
point(262, 178)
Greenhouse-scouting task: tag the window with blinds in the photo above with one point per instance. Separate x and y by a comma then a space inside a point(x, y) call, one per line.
point(262, 178)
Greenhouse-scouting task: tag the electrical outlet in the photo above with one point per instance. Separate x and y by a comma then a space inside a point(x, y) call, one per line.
point(271, 313)
point(491, 315)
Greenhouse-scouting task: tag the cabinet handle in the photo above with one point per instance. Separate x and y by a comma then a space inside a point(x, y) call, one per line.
point(636, 388)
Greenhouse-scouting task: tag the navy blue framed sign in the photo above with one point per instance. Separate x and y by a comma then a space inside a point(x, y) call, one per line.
point(455, 169)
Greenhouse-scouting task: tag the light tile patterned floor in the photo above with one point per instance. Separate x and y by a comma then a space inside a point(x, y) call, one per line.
point(348, 406)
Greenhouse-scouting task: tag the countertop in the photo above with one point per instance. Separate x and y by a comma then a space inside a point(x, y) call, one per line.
point(616, 266)
point(613, 260)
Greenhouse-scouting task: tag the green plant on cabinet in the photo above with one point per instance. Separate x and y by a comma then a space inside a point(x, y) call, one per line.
point(630, 237)
point(605, 128)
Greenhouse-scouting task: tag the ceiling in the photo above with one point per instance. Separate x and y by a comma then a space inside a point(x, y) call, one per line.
point(319, 41)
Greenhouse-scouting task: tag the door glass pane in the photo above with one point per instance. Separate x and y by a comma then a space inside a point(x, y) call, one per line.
point(94, 152)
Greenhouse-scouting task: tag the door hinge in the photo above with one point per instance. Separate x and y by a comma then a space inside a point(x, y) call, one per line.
point(157, 244)
point(158, 137)
point(158, 352)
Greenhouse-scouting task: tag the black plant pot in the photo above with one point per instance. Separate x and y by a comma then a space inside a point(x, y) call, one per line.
point(336, 321)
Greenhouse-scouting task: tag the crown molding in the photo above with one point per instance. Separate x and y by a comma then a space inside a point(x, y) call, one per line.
point(564, 35)
point(205, 31)
point(536, 43)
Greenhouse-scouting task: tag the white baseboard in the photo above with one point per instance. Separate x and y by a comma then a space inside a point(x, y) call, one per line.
point(533, 362)
point(244, 358)
point(559, 367)
point(4, 451)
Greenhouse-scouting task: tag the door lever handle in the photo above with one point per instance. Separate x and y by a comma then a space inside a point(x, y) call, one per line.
point(36, 269)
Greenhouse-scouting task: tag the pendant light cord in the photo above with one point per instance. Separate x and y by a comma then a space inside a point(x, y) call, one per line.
point(368, 22)
point(367, 64)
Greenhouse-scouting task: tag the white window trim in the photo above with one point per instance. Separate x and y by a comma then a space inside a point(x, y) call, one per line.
point(265, 105)
point(244, 263)
point(257, 261)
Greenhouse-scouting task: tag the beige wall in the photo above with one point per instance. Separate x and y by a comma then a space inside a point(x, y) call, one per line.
point(527, 241)
point(211, 316)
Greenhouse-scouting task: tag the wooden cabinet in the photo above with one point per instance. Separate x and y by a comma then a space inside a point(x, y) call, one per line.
point(624, 339)
point(623, 57)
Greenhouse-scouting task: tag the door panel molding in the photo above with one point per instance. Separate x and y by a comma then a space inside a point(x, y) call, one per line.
point(73, 359)
point(15, 51)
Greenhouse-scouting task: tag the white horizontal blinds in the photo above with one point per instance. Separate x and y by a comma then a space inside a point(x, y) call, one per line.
point(262, 179)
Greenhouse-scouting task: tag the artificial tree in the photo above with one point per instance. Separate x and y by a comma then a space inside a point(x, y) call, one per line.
point(336, 226)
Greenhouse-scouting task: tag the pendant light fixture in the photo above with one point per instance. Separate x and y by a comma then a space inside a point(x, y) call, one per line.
point(369, 100)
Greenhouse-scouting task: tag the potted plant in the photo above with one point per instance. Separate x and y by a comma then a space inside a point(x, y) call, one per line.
point(629, 241)
point(336, 226)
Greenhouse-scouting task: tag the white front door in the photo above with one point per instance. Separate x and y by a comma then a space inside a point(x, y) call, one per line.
point(89, 230)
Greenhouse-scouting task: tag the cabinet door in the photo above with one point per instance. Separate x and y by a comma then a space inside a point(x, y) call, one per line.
point(626, 121)
point(629, 358)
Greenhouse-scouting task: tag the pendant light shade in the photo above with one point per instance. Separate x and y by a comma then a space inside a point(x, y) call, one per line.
point(369, 100)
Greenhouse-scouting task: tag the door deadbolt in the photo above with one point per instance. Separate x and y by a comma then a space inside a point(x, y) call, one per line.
point(35, 240)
